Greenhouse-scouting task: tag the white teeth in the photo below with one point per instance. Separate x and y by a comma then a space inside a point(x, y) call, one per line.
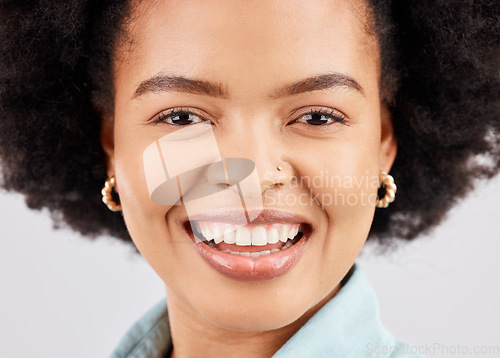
point(207, 234)
point(284, 233)
point(243, 237)
point(260, 253)
point(218, 237)
point(259, 236)
point(256, 235)
point(294, 230)
point(273, 236)
point(229, 236)
point(254, 254)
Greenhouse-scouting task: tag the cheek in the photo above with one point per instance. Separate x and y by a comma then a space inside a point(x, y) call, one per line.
point(343, 176)
point(353, 195)
point(146, 221)
point(143, 217)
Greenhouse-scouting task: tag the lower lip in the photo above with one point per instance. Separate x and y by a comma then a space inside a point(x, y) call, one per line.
point(244, 268)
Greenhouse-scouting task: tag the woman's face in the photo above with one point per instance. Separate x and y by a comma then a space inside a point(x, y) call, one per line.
point(283, 76)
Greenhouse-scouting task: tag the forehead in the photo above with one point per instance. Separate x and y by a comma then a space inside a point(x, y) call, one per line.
point(247, 43)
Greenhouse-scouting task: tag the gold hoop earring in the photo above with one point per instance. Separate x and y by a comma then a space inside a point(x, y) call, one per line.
point(390, 190)
point(107, 198)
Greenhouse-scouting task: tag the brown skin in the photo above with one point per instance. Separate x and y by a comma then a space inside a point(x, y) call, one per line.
point(252, 48)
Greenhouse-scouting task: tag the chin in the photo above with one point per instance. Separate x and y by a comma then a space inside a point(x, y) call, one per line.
point(250, 317)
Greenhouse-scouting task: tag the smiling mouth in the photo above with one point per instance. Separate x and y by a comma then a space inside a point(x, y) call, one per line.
point(247, 250)
point(252, 240)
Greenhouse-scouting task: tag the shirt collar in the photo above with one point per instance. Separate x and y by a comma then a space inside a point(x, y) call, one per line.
point(344, 327)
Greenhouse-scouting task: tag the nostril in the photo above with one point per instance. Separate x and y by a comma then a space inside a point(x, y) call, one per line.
point(238, 169)
point(215, 174)
point(229, 171)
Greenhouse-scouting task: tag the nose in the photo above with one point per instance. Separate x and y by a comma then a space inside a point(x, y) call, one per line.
point(232, 171)
point(251, 151)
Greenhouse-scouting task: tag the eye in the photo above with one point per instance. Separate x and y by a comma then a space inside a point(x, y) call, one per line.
point(321, 117)
point(178, 117)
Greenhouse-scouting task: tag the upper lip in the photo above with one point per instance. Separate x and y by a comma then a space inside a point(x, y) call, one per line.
point(237, 216)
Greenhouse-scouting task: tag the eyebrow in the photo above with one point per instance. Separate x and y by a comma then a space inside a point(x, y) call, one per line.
point(319, 83)
point(166, 83)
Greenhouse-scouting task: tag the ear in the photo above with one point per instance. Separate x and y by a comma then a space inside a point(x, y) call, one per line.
point(108, 144)
point(388, 143)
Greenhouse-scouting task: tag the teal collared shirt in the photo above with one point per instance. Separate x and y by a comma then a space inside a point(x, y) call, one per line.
point(346, 326)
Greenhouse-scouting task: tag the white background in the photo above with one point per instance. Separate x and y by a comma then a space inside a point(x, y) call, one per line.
point(65, 296)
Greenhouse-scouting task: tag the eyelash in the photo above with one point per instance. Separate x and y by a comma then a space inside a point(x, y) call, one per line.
point(163, 116)
point(333, 114)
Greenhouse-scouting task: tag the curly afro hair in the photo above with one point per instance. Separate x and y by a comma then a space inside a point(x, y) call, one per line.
point(440, 76)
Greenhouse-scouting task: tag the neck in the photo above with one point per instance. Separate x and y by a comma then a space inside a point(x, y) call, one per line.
point(194, 336)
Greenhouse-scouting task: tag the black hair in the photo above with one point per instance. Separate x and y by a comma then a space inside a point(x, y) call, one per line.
point(440, 77)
